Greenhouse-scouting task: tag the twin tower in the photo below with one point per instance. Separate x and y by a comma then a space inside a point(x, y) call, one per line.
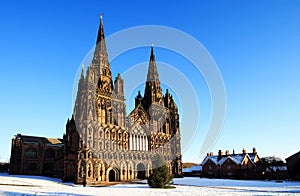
point(102, 142)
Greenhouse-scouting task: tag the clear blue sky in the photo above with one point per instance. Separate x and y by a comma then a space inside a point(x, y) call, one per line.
point(256, 45)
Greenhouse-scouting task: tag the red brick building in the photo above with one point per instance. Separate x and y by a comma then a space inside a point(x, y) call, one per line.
point(243, 165)
point(33, 155)
point(293, 166)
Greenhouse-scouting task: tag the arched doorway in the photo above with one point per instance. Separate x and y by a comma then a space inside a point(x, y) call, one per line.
point(141, 171)
point(112, 176)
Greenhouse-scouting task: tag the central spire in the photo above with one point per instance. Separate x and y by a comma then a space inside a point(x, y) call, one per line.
point(153, 92)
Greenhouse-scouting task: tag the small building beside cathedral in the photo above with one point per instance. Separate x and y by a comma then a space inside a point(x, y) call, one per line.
point(236, 165)
point(293, 166)
point(32, 155)
point(102, 143)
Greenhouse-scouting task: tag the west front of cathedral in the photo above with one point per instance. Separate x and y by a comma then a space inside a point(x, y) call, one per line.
point(104, 144)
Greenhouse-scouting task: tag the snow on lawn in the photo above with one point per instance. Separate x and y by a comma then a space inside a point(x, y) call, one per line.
point(37, 185)
point(248, 185)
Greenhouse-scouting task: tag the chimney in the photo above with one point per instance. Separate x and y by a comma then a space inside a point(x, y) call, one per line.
point(220, 154)
point(211, 154)
point(233, 151)
point(227, 152)
point(254, 151)
point(244, 151)
point(208, 154)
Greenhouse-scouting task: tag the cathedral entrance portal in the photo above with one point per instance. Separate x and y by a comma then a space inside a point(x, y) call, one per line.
point(112, 175)
point(141, 171)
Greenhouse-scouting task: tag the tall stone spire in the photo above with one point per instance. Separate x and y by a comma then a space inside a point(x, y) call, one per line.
point(100, 61)
point(100, 64)
point(153, 92)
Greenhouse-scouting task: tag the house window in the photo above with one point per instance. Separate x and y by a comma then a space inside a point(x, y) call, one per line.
point(209, 168)
point(229, 167)
point(31, 153)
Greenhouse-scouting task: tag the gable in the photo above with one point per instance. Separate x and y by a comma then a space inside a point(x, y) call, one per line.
point(229, 160)
point(256, 159)
point(247, 160)
point(138, 116)
point(208, 160)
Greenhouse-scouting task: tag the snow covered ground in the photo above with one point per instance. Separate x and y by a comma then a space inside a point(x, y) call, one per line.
point(37, 185)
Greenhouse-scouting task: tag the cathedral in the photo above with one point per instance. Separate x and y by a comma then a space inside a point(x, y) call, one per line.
point(104, 144)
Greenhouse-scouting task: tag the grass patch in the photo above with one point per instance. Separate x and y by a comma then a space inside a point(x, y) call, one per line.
point(170, 187)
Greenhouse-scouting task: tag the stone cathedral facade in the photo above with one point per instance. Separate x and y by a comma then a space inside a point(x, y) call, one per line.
point(102, 143)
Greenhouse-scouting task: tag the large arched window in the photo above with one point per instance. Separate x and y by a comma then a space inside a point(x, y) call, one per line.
point(31, 153)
